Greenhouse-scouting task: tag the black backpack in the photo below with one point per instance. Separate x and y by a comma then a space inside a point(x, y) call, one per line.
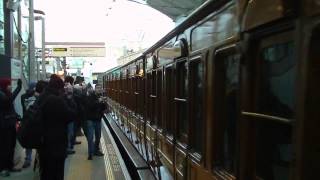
point(30, 134)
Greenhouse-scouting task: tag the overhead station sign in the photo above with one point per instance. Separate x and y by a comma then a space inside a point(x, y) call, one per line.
point(60, 52)
point(79, 52)
point(87, 52)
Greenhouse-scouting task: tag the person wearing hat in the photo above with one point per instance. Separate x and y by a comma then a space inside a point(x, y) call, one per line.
point(73, 106)
point(94, 112)
point(27, 99)
point(8, 118)
point(56, 116)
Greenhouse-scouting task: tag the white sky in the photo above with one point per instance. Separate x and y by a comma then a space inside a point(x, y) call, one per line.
point(86, 20)
point(127, 24)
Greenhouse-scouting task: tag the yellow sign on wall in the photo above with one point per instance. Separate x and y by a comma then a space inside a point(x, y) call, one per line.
point(59, 52)
point(79, 52)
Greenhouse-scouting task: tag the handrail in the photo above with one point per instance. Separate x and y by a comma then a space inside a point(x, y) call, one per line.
point(264, 116)
point(180, 100)
point(153, 96)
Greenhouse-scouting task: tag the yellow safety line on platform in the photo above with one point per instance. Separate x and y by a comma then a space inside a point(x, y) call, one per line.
point(108, 169)
point(120, 160)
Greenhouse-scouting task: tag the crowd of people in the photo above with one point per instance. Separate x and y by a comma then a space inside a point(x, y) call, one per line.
point(67, 107)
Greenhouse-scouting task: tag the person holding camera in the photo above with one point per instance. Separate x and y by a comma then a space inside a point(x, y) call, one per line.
point(95, 109)
point(8, 119)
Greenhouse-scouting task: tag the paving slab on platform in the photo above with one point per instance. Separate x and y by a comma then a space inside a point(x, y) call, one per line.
point(77, 167)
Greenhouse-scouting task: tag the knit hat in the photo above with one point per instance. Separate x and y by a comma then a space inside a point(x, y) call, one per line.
point(4, 83)
point(55, 82)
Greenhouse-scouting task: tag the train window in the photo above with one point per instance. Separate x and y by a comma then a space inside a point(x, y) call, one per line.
point(154, 83)
point(159, 99)
point(278, 77)
point(311, 145)
point(126, 88)
point(275, 101)
point(149, 92)
point(169, 93)
point(142, 99)
point(141, 91)
point(214, 30)
point(153, 97)
point(181, 101)
point(227, 74)
point(196, 103)
point(119, 91)
point(133, 94)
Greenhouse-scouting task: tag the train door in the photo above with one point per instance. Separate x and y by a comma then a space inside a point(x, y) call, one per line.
point(135, 94)
point(166, 139)
point(117, 90)
point(307, 123)
point(225, 124)
point(158, 128)
point(181, 116)
point(129, 99)
point(121, 95)
point(269, 85)
point(151, 114)
point(197, 113)
point(140, 106)
point(131, 109)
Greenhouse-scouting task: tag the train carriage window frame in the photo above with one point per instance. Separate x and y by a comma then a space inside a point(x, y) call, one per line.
point(142, 89)
point(181, 103)
point(148, 93)
point(121, 86)
point(272, 135)
point(159, 99)
point(198, 132)
point(169, 100)
point(153, 98)
point(127, 88)
point(223, 27)
point(135, 90)
point(222, 139)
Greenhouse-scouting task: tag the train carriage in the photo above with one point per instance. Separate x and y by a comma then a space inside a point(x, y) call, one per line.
point(230, 93)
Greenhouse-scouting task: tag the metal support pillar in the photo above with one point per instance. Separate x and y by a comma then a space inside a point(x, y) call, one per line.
point(32, 67)
point(8, 31)
point(44, 73)
point(64, 66)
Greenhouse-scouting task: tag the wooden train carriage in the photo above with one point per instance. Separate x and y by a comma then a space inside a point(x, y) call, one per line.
point(151, 112)
point(268, 89)
point(132, 118)
point(139, 106)
point(165, 56)
point(233, 94)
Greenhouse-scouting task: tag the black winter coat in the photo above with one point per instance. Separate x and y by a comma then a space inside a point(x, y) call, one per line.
point(7, 107)
point(56, 116)
point(80, 101)
point(94, 108)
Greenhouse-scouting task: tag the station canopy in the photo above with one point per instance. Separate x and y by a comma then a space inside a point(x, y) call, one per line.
point(175, 8)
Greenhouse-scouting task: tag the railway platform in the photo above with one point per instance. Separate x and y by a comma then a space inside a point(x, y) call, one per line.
point(111, 166)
